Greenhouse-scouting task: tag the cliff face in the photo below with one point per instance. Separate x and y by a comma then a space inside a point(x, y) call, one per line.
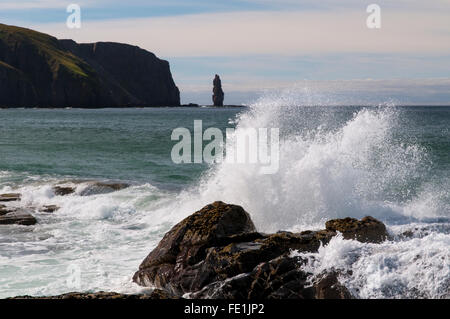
point(37, 70)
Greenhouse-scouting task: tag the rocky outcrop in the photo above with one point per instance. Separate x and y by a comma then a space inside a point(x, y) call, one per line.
point(217, 253)
point(49, 209)
point(175, 265)
point(38, 70)
point(10, 197)
point(365, 230)
point(96, 188)
point(18, 216)
point(63, 190)
point(218, 95)
point(92, 188)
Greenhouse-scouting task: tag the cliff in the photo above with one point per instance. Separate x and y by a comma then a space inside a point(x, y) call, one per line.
point(38, 70)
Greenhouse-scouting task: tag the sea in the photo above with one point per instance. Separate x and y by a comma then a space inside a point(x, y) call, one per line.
point(387, 161)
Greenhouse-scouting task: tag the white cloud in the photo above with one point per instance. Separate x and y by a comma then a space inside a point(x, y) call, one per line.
point(282, 33)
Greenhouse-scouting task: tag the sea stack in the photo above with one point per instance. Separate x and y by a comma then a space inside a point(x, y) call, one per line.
point(218, 94)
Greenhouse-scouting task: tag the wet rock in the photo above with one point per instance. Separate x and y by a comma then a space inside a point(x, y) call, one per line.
point(63, 190)
point(49, 209)
point(218, 95)
point(241, 257)
point(103, 188)
point(329, 287)
point(171, 265)
point(10, 197)
point(280, 278)
point(9, 216)
point(367, 230)
point(217, 253)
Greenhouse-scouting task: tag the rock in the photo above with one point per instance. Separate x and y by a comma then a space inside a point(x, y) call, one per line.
point(218, 95)
point(49, 209)
point(170, 264)
point(10, 197)
point(16, 216)
point(368, 229)
point(156, 294)
point(280, 278)
point(63, 190)
point(329, 287)
point(3, 210)
point(217, 253)
point(103, 188)
point(38, 70)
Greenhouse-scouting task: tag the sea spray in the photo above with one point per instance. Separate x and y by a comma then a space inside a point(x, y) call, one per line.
point(326, 171)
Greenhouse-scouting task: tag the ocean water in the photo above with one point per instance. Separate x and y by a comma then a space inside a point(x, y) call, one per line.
point(386, 161)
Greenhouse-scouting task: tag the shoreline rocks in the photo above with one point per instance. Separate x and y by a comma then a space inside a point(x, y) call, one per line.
point(15, 214)
point(18, 216)
point(13, 197)
point(49, 209)
point(217, 253)
point(366, 230)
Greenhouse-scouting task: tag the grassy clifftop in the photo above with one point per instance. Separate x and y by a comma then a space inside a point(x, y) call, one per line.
point(45, 45)
point(38, 70)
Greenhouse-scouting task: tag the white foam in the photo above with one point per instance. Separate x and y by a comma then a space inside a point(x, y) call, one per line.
point(409, 268)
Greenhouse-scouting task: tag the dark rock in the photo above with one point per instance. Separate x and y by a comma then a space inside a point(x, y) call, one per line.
point(63, 190)
point(368, 229)
point(329, 287)
point(38, 70)
point(10, 197)
point(216, 253)
point(156, 294)
point(170, 264)
point(218, 95)
point(16, 216)
point(102, 188)
point(3, 210)
point(49, 209)
point(280, 278)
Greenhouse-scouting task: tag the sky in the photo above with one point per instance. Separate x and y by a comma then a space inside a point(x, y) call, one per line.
point(322, 49)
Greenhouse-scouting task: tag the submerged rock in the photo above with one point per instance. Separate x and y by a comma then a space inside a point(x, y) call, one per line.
point(49, 209)
point(217, 253)
point(63, 190)
point(97, 188)
point(367, 230)
point(10, 197)
point(19, 216)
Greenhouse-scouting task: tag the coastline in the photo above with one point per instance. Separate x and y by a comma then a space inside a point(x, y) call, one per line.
point(221, 255)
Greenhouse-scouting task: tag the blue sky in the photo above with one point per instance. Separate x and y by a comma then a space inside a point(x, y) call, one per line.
point(260, 45)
